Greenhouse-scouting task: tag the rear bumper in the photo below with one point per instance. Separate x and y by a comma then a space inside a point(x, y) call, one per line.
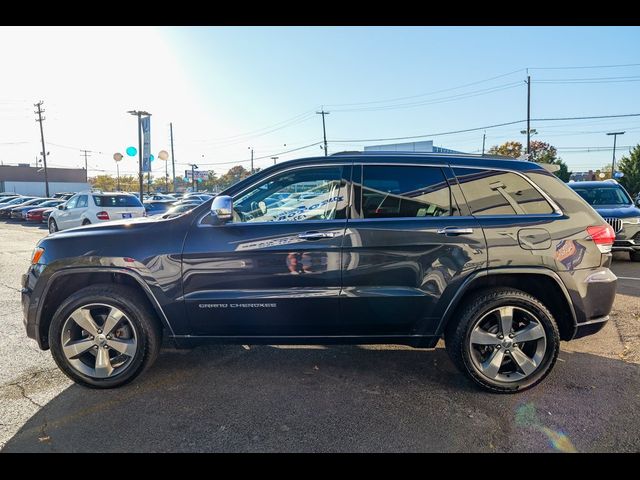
point(592, 293)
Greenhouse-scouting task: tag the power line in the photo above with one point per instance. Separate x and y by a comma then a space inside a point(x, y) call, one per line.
point(426, 94)
point(450, 98)
point(264, 156)
point(589, 66)
point(482, 128)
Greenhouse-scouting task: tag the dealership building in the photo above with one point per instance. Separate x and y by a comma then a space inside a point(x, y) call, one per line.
point(27, 180)
point(426, 146)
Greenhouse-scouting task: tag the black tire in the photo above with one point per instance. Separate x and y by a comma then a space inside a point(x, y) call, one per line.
point(472, 311)
point(86, 222)
point(634, 256)
point(144, 320)
point(53, 226)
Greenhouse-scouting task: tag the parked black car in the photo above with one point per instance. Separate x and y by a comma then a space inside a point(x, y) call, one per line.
point(615, 205)
point(497, 256)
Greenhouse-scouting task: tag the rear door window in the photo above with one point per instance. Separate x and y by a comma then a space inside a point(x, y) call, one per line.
point(404, 192)
point(494, 192)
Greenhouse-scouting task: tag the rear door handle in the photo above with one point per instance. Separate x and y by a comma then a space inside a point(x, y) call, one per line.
point(317, 235)
point(455, 231)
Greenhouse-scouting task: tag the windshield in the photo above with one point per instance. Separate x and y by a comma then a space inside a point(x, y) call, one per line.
point(603, 196)
point(20, 200)
point(116, 201)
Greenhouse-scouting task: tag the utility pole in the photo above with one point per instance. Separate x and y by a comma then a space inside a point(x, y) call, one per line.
point(528, 115)
point(173, 160)
point(613, 161)
point(251, 148)
point(324, 129)
point(139, 114)
point(86, 165)
point(274, 159)
point(40, 119)
point(484, 136)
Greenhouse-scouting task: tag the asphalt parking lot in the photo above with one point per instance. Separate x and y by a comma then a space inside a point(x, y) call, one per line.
point(275, 398)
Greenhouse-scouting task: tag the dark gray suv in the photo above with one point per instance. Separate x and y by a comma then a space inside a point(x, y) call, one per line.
point(497, 256)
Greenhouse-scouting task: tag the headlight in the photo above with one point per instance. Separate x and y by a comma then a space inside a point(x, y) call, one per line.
point(631, 221)
point(37, 254)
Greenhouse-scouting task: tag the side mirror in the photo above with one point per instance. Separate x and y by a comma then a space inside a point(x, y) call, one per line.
point(61, 207)
point(222, 209)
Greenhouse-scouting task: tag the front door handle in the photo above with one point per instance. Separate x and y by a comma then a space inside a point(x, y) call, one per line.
point(455, 231)
point(316, 235)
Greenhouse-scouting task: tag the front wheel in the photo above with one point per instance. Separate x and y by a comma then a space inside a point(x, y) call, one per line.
point(104, 336)
point(53, 226)
point(634, 256)
point(504, 339)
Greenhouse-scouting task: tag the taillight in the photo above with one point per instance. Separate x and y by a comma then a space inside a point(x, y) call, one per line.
point(102, 216)
point(603, 236)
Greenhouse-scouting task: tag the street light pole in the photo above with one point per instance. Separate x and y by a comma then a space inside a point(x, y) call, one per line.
point(139, 114)
point(274, 159)
point(613, 160)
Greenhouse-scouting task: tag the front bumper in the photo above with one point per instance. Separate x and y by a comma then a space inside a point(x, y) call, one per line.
point(628, 239)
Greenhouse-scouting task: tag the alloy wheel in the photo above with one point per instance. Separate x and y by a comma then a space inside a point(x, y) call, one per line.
point(507, 344)
point(99, 341)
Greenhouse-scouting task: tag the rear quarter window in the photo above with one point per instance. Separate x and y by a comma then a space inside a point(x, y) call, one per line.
point(496, 192)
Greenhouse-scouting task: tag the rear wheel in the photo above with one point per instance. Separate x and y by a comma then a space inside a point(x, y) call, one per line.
point(86, 222)
point(104, 336)
point(505, 340)
point(53, 226)
point(634, 256)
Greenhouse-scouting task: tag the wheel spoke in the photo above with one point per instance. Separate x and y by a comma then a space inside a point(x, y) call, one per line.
point(126, 347)
point(75, 349)
point(533, 331)
point(492, 365)
point(482, 337)
point(112, 320)
point(506, 319)
point(524, 362)
point(83, 318)
point(103, 363)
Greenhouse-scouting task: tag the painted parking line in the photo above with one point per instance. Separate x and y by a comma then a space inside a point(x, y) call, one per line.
point(628, 278)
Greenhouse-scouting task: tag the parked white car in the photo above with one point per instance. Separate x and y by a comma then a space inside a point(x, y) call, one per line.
point(85, 208)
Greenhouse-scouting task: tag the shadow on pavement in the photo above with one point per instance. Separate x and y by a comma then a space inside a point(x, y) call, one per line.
point(226, 398)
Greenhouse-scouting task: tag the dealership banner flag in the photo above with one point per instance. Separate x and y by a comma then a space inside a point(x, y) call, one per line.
point(146, 144)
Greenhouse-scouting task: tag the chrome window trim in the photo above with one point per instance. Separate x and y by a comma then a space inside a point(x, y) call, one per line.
point(356, 161)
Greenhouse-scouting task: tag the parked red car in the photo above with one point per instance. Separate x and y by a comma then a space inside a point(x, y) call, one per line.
point(35, 215)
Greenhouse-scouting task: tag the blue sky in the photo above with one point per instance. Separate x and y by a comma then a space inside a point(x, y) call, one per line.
point(229, 88)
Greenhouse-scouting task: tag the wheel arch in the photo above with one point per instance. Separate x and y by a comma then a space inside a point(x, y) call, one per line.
point(75, 278)
point(547, 287)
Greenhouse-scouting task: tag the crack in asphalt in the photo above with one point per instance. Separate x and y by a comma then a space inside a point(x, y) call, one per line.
point(10, 287)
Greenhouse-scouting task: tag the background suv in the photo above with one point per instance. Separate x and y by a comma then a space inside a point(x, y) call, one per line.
point(86, 208)
point(615, 205)
point(498, 256)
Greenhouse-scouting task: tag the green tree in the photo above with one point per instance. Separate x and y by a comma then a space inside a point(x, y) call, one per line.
point(542, 152)
point(630, 166)
point(507, 149)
